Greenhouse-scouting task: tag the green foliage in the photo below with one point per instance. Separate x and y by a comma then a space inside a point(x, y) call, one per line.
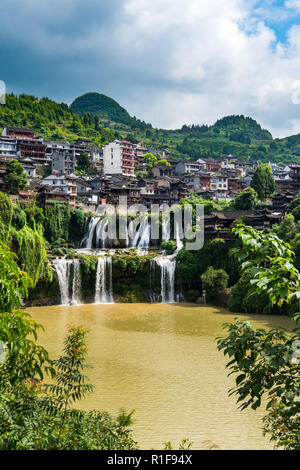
point(77, 225)
point(38, 417)
point(192, 295)
point(240, 301)
point(32, 254)
point(268, 361)
point(263, 182)
point(88, 266)
point(287, 229)
point(294, 208)
point(14, 283)
point(15, 176)
point(6, 213)
point(169, 246)
point(246, 200)
point(215, 253)
point(106, 109)
point(19, 218)
point(25, 359)
point(150, 160)
point(295, 244)
point(270, 261)
point(213, 281)
point(51, 120)
point(267, 366)
point(57, 221)
point(84, 162)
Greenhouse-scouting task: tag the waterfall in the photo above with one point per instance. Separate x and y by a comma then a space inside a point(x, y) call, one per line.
point(97, 234)
point(76, 286)
point(167, 265)
point(87, 242)
point(167, 268)
point(64, 271)
point(103, 288)
point(102, 233)
point(141, 239)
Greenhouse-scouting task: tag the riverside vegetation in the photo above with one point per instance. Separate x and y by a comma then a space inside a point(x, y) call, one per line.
point(36, 416)
point(37, 235)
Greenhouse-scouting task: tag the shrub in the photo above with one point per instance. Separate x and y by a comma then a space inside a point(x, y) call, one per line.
point(214, 280)
point(169, 246)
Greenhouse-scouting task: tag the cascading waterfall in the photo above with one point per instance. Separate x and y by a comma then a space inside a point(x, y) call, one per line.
point(167, 265)
point(141, 239)
point(97, 234)
point(76, 286)
point(103, 288)
point(64, 271)
point(167, 268)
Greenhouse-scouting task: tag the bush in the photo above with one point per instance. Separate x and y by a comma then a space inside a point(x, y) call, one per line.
point(6, 213)
point(213, 281)
point(19, 218)
point(193, 295)
point(169, 246)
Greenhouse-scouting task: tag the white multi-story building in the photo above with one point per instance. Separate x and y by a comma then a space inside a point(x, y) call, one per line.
point(119, 158)
point(189, 168)
point(8, 148)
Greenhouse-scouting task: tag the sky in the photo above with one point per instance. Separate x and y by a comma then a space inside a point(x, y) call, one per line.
point(168, 62)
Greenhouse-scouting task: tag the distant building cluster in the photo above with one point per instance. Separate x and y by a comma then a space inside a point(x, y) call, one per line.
point(119, 169)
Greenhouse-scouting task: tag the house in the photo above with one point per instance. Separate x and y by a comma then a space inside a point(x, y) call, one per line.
point(295, 177)
point(62, 188)
point(184, 168)
point(84, 188)
point(29, 167)
point(28, 145)
point(63, 160)
point(8, 148)
point(119, 158)
point(213, 165)
point(160, 171)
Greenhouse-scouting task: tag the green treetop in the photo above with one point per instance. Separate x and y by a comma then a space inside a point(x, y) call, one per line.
point(15, 176)
point(263, 182)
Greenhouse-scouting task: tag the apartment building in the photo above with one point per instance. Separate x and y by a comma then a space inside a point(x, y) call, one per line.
point(119, 158)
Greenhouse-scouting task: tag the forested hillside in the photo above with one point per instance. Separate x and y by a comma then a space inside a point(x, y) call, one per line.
point(52, 120)
point(102, 120)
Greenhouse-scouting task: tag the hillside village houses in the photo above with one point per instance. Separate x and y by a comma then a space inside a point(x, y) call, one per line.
point(115, 167)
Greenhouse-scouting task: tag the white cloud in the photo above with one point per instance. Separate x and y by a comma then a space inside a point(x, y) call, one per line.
point(170, 62)
point(293, 4)
point(216, 60)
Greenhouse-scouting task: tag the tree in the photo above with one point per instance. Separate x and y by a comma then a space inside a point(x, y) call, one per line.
point(34, 416)
point(15, 176)
point(14, 283)
point(294, 208)
point(83, 161)
point(246, 200)
point(150, 160)
point(287, 229)
point(213, 281)
point(268, 362)
point(263, 182)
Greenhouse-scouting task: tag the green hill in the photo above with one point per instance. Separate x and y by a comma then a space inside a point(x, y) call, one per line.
point(101, 119)
point(108, 110)
point(52, 120)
